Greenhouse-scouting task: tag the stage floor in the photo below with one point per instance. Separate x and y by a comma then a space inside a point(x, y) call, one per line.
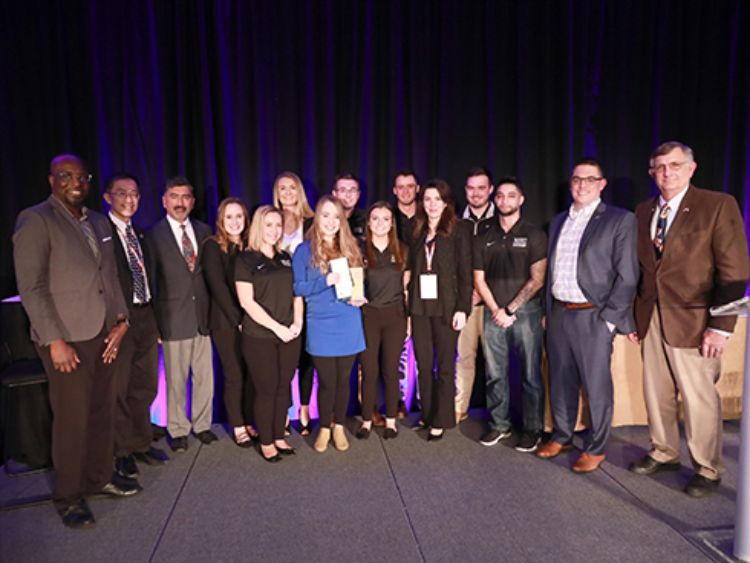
point(402, 500)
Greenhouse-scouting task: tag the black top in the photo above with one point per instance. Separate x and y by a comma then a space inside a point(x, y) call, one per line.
point(357, 222)
point(384, 280)
point(404, 226)
point(506, 258)
point(452, 264)
point(272, 280)
point(218, 271)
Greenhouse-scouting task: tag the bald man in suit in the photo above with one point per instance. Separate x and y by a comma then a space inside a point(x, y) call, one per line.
point(692, 252)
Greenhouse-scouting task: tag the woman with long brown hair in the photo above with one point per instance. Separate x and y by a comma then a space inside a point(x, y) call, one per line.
point(334, 335)
point(439, 301)
point(384, 316)
point(289, 196)
point(218, 261)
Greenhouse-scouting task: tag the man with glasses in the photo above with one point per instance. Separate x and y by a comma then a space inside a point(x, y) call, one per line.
point(692, 252)
point(136, 371)
point(592, 273)
point(67, 278)
point(346, 190)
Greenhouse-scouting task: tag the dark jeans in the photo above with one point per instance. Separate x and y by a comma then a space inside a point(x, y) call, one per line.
point(525, 335)
point(333, 387)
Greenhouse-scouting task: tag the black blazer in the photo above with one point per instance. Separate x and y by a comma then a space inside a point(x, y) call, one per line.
point(452, 264)
point(123, 267)
point(218, 271)
point(180, 297)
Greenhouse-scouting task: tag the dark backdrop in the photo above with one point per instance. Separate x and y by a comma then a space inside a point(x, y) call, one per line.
point(232, 92)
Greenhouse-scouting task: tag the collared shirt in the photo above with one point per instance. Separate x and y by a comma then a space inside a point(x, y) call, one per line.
point(506, 258)
point(384, 283)
point(177, 232)
point(565, 271)
point(120, 227)
point(674, 205)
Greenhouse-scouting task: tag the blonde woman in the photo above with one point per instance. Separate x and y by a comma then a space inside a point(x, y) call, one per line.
point(218, 262)
point(334, 335)
point(270, 328)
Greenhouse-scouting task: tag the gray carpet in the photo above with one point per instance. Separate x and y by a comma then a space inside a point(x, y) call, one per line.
point(402, 500)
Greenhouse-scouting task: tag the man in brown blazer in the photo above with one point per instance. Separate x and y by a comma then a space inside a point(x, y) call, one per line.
point(692, 253)
point(67, 279)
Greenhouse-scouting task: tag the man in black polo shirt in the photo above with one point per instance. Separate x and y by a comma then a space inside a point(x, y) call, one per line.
point(346, 190)
point(510, 259)
point(405, 188)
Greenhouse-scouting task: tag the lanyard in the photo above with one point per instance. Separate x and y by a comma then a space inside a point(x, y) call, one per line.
point(429, 252)
point(134, 249)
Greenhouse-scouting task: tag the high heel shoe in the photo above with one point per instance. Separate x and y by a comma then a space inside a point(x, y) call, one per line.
point(339, 438)
point(321, 442)
point(305, 429)
point(242, 438)
point(286, 451)
point(363, 433)
point(390, 433)
point(273, 459)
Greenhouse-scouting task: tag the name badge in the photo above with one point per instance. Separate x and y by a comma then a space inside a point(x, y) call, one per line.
point(428, 286)
point(520, 242)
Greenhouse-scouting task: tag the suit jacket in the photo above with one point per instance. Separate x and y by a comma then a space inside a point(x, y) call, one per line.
point(66, 291)
point(180, 297)
point(123, 265)
point(452, 264)
point(704, 263)
point(218, 271)
point(607, 264)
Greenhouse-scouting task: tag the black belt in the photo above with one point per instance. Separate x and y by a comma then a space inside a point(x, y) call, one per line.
point(141, 305)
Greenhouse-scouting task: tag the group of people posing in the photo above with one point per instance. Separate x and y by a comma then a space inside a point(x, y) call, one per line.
point(277, 295)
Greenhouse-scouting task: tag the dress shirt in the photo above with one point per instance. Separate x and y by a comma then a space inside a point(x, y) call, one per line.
point(120, 227)
point(565, 272)
point(177, 232)
point(674, 205)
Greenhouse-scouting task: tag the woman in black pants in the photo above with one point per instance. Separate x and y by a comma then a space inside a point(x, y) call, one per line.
point(439, 301)
point(384, 316)
point(270, 328)
point(218, 260)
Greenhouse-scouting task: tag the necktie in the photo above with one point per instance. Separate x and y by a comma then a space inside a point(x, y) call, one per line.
point(661, 230)
point(88, 232)
point(135, 261)
point(188, 251)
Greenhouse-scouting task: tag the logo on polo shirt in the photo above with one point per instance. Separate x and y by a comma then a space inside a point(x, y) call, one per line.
point(520, 242)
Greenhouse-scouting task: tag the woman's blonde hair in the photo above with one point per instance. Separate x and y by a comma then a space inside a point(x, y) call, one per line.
point(344, 243)
point(222, 237)
point(302, 210)
point(256, 227)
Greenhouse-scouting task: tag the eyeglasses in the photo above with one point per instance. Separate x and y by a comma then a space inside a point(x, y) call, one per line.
point(67, 177)
point(673, 167)
point(119, 194)
point(588, 181)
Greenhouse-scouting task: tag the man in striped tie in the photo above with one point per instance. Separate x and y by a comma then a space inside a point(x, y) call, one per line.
point(136, 371)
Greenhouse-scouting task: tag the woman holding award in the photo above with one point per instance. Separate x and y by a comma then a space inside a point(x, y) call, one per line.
point(439, 301)
point(384, 316)
point(334, 322)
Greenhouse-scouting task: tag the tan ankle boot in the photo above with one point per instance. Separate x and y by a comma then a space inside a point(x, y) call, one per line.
point(321, 442)
point(339, 438)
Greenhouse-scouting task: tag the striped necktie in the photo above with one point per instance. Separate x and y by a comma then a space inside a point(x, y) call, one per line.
point(135, 261)
point(661, 231)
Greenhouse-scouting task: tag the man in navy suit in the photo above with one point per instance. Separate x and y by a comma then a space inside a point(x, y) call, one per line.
point(592, 275)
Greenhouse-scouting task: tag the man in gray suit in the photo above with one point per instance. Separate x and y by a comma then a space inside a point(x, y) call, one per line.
point(592, 274)
point(181, 305)
point(67, 279)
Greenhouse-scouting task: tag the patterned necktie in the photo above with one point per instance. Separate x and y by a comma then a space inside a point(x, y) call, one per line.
point(188, 251)
point(135, 261)
point(88, 232)
point(661, 231)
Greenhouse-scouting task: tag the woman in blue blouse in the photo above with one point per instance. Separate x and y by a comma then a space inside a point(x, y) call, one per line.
point(334, 327)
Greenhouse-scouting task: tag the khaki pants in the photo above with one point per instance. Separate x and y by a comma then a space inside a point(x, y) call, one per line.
point(468, 344)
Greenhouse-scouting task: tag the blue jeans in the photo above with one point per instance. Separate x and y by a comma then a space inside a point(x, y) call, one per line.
point(526, 337)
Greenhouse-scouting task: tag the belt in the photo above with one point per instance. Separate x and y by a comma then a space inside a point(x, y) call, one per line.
point(141, 305)
point(568, 306)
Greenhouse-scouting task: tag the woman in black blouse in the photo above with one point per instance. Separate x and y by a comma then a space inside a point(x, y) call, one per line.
point(218, 259)
point(439, 301)
point(384, 316)
point(270, 328)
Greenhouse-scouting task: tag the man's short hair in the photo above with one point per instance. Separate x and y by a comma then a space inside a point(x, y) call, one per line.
point(110, 183)
point(668, 147)
point(511, 180)
point(405, 172)
point(590, 161)
point(345, 176)
point(479, 171)
point(177, 181)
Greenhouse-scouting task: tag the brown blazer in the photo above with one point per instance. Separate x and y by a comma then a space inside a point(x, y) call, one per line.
point(66, 292)
point(704, 264)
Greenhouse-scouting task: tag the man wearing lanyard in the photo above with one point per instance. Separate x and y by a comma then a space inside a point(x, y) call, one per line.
point(479, 207)
point(692, 252)
point(136, 371)
point(592, 273)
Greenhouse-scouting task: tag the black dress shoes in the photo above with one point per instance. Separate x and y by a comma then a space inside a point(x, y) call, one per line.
point(125, 466)
point(77, 515)
point(121, 487)
point(206, 437)
point(389, 434)
point(363, 433)
point(152, 456)
point(648, 465)
point(700, 486)
point(273, 459)
point(179, 444)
